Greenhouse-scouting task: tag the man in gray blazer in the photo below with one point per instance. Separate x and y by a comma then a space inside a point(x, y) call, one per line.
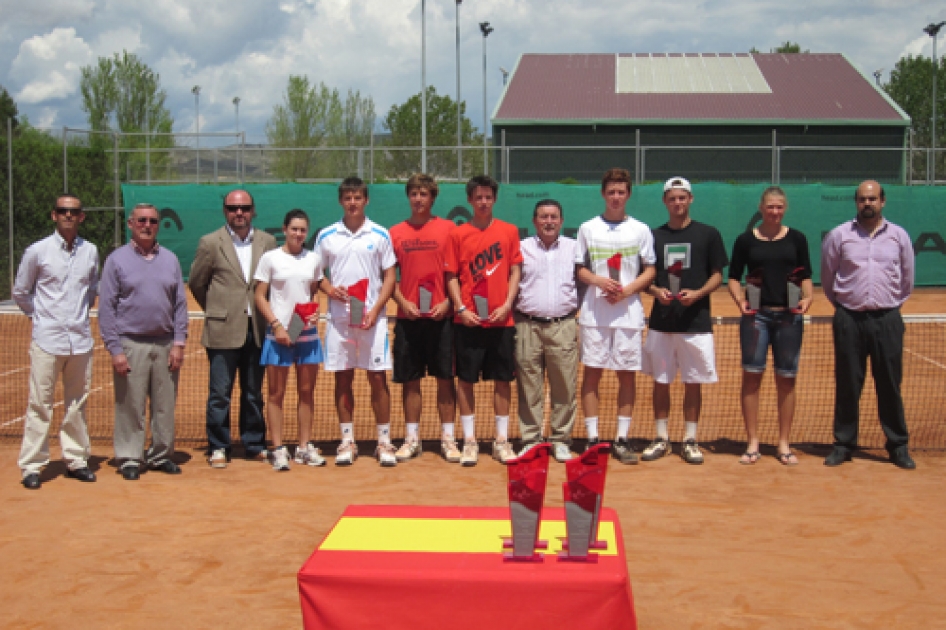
point(221, 280)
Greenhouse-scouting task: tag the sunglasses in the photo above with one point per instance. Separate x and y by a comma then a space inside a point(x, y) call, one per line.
point(73, 211)
point(147, 220)
point(247, 209)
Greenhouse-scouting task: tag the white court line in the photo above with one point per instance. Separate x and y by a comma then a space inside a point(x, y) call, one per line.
point(927, 359)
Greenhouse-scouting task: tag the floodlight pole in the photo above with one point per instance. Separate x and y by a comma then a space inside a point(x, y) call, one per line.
point(196, 92)
point(236, 106)
point(459, 111)
point(933, 30)
point(423, 86)
point(486, 29)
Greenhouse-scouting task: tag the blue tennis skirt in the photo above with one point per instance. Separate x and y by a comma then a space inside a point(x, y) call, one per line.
point(306, 351)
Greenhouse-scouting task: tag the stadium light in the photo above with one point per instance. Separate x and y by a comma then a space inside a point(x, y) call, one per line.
point(423, 86)
point(459, 112)
point(196, 92)
point(933, 30)
point(236, 105)
point(505, 75)
point(486, 29)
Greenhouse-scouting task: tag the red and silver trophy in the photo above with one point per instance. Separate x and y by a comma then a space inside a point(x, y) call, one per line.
point(527, 476)
point(614, 267)
point(300, 319)
point(674, 275)
point(584, 492)
point(425, 292)
point(481, 299)
point(754, 290)
point(795, 278)
point(357, 296)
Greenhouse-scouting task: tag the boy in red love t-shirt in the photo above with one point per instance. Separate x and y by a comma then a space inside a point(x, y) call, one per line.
point(483, 266)
point(423, 333)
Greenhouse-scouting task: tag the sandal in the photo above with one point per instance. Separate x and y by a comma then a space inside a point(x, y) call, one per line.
point(787, 459)
point(748, 458)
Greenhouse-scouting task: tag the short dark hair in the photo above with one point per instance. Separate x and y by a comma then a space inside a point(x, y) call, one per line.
point(246, 192)
point(352, 185)
point(481, 180)
point(295, 213)
point(616, 176)
point(548, 202)
point(69, 196)
point(422, 180)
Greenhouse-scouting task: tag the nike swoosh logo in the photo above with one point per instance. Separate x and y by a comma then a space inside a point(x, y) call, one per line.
point(489, 272)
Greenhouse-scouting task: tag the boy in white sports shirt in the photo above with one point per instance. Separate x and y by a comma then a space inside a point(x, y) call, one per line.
point(615, 258)
point(357, 251)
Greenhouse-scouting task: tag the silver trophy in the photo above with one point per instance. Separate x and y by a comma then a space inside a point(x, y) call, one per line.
point(754, 289)
point(482, 306)
point(356, 311)
point(795, 278)
point(423, 300)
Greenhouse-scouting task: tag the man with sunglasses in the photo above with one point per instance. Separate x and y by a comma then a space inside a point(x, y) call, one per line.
point(55, 287)
point(143, 322)
point(221, 280)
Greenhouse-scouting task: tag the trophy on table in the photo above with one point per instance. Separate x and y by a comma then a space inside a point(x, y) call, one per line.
point(481, 298)
point(584, 492)
point(357, 296)
point(425, 291)
point(527, 476)
point(754, 290)
point(674, 274)
point(300, 319)
point(614, 267)
point(795, 278)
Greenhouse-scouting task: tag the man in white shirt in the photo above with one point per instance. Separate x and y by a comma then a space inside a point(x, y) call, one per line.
point(547, 332)
point(615, 258)
point(358, 258)
point(56, 285)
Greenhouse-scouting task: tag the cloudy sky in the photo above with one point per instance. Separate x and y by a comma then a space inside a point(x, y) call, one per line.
point(248, 48)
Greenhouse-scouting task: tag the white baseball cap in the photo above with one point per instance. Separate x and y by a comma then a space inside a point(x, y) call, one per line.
point(678, 182)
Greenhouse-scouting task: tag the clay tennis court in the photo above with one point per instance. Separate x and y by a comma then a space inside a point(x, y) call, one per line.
point(721, 545)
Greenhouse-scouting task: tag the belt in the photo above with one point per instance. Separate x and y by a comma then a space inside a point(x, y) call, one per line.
point(548, 320)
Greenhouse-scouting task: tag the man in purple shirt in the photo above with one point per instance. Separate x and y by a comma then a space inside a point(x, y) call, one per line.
point(143, 322)
point(867, 273)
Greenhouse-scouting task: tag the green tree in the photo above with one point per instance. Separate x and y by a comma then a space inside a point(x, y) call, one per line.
point(911, 87)
point(404, 123)
point(7, 109)
point(786, 47)
point(315, 116)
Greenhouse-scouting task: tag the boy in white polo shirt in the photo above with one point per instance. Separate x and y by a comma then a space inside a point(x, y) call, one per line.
point(615, 258)
point(356, 252)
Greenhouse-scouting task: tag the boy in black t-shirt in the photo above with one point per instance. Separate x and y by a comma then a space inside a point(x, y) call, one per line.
point(690, 261)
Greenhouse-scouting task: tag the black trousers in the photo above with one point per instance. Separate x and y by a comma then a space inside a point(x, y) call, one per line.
point(879, 336)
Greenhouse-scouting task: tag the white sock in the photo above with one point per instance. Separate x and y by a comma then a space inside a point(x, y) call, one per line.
point(447, 428)
point(502, 427)
point(591, 427)
point(348, 431)
point(384, 433)
point(469, 426)
point(691, 431)
point(662, 429)
point(624, 425)
point(412, 428)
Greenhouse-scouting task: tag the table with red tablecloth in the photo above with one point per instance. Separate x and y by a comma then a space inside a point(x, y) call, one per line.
point(443, 567)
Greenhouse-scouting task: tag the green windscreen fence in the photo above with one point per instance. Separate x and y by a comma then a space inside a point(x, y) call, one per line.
point(190, 211)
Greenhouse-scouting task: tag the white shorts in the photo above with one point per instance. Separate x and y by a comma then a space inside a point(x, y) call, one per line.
point(692, 355)
point(348, 348)
point(611, 348)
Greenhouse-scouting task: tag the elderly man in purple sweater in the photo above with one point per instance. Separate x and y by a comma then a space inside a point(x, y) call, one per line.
point(143, 322)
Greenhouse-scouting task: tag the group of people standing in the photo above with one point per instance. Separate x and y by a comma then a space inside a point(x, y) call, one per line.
point(473, 302)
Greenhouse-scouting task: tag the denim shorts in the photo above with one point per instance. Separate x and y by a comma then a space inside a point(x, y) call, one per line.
point(306, 351)
point(782, 330)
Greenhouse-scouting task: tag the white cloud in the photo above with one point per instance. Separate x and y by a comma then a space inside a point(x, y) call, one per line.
point(50, 65)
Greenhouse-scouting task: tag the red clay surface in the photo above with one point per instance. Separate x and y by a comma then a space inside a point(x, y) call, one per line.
point(718, 545)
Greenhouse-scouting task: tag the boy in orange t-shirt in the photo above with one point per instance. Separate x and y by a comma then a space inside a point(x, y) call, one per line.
point(423, 333)
point(483, 265)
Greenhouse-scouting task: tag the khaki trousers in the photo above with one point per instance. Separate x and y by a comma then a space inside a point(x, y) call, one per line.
point(150, 378)
point(547, 350)
point(45, 368)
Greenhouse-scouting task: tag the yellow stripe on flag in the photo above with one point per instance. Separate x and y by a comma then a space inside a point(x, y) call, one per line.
point(431, 535)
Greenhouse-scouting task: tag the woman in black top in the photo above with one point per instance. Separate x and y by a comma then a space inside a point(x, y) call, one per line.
point(773, 251)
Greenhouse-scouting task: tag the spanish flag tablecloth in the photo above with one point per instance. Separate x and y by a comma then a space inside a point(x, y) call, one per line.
point(443, 568)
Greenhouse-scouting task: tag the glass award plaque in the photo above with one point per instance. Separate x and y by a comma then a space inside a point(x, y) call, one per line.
point(357, 296)
point(674, 276)
point(527, 476)
point(614, 267)
point(795, 278)
point(300, 318)
point(425, 293)
point(584, 492)
point(754, 290)
point(481, 299)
